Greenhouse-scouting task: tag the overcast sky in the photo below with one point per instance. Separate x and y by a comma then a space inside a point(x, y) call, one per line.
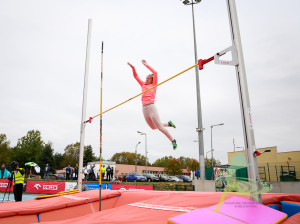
point(42, 62)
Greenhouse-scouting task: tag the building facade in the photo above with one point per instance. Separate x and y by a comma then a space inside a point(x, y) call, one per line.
point(273, 165)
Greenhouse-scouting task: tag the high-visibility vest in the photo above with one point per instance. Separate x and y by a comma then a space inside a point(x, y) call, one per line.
point(18, 178)
point(102, 170)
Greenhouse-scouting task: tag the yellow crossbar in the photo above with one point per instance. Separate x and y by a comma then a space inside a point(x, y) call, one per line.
point(148, 90)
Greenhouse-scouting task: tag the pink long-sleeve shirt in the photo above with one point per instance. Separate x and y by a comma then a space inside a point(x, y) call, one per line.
point(148, 97)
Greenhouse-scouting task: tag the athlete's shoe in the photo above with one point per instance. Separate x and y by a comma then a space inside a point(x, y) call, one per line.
point(171, 124)
point(174, 144)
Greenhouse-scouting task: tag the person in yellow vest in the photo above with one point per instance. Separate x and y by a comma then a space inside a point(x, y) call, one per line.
point(18, 176)
point(103, 171)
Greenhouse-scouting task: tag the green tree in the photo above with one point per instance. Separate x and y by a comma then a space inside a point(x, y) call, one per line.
point(129, 158)
point(89, 155)
point(208, 163)
point(194, 165)
point(71, 154)
point(29, 148)
point(173, 167)
point(162, 162)
point(4, 150)
point(58, 161)
point(47, 157)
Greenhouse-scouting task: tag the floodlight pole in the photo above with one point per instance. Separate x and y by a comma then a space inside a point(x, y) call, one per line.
point(146, 151)
point(136, 156)
point(199, 110)
point(249, 140)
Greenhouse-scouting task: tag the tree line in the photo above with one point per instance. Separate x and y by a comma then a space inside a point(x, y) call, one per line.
point(32, 148)
point(172, 165)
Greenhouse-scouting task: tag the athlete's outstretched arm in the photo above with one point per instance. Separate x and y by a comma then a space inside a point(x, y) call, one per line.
point(135, 75)
point(152, 70)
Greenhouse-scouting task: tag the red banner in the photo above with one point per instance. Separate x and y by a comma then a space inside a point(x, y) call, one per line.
point(4, 184)
point(131, 187)
point(45, 187)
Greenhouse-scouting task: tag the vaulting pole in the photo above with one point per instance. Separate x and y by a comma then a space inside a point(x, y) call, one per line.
point(100, 178)
point(85, 87)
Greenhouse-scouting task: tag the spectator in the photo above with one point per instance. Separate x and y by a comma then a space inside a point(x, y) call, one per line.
point(68, 171)
point(18, 176)
point(93, 176)
point(197, 173)
point(159, 176)
point(76, 172)
point(108, 171)
point(47, 171)
point(72, 173)
point(112, 173)
point(102, 172)
point(85, 172)
point(4, 172)
point(83, 187)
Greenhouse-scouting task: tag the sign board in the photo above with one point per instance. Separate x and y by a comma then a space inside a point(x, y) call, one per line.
point(45, 187)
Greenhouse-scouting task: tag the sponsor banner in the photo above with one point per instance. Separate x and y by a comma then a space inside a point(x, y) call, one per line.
point(96, 186)
point(131, 187)
point(4, 184)
point(70, 186)
point(45, 187)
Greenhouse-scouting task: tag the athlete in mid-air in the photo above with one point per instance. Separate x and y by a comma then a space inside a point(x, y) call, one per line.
point(148, 98)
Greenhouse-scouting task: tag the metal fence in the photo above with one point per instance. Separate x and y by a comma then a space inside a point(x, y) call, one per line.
point(283, 171)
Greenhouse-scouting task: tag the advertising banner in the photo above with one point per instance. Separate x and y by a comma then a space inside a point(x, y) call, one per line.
point(131, 187)
point(4, 184)
point(70, 186)
point(96, 186)
point(44, 187)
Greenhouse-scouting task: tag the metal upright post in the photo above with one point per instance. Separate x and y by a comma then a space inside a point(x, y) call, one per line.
point(146, 151)
point(136, 156)
point(199, 110)
point(253, 173)
point(212, 150)
point(142, 133)
point(85, 87)
point(233, 145)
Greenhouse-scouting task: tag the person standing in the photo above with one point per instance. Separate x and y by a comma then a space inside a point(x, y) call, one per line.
point(47, 171)
point(18, 176)
point(197, 173)
point(68, 171)
point(93, 176)
point(4, 172)
point(102, 172)
point(108, 171)
point(159, 176)
point(85, 172)
point(112, 173)
point(76, 172)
